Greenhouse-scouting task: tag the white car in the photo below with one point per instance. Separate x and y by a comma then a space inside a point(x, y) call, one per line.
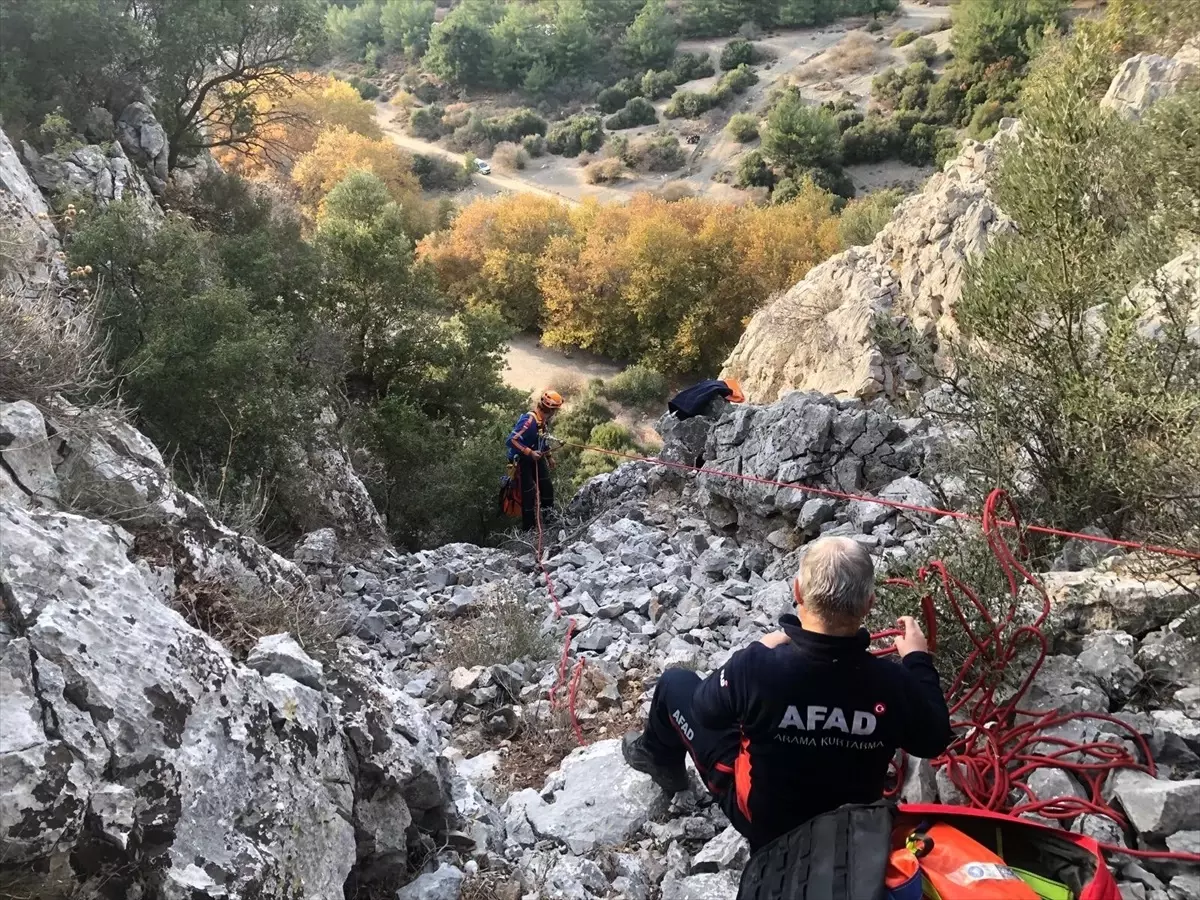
point(484, 168)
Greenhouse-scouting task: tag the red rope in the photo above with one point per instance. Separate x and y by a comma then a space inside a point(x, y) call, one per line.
point(994, 753)
point(895, 504)
point(562, 663)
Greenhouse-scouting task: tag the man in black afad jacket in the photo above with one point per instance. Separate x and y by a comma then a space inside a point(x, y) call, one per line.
point(805, 719)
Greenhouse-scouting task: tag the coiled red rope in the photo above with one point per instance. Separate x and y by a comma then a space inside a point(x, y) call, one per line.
point(998, 744)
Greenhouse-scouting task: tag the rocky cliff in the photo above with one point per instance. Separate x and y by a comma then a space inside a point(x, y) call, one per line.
point(825, 333)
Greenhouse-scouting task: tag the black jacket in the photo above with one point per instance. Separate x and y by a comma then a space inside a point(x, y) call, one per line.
point(820, 719)
point(694, 401)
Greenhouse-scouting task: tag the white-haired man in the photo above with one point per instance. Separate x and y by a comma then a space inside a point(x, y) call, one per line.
point(804, 719)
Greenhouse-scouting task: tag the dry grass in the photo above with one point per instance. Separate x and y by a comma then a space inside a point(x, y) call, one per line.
point(677, 190)
point(605, 171)
point(49, 346)
point(239, 618)
point(493, 885)
point(510, 157)
point(856, 52)
point(503, 631)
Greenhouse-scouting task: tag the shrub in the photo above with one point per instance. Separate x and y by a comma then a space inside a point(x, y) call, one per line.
point(659, 152)
point(238, 617)
point(856, 52)
point(657, 85)
point(366, 89)
point(738, 53)
point(922, 50)
point(848, 118)
point(676, 190)
point(534, 144)
point(753, 171)
point(437, 173)
point(862, 219)
point(985, 119)
point(637, 386)
point(575, 135)
point(510, 157)
point(611, 99)
point(51, 346)
point(874, 26)
point(904, 38)
point(504, 630)
point(872, 140)
point(743, 128)
point(925, 142)
point(689, 105)
point(798, 135)
point(426, 122)
point(638, 111)
point(604, 171)
point(737, 80)
point(690, 66)
point(906, 88)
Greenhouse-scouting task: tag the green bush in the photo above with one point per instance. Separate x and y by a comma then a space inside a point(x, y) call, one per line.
point(659, 152)
point(743, 128)
point(922, 50)
point(437, 173)
point(738, 53)
point(862, 219)
point(426, 122)
point(906, 88)
point(366, 89)
point(985, 119)
point(904, 38)
point(799, 136)
point(690, 66)
point(848, 119)
point(657, 85)
point(753, 171)
point(738, 80)
point(637, 386)
point(534, 144)
point(611, 99)
point(689, 105)
point(638, 111)
point(578, 134)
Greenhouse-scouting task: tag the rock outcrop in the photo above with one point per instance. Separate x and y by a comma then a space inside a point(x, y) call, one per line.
point(824, 334)
point(32, 261)
point(1146, 78)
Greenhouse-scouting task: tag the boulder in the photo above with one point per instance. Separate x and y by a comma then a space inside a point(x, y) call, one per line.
point(596, 800)
point(1157, 808)
point(1108, 656)
point(102, 174)
point(145, 140)
point(717, 886)
point(157, 732)
point(1098, 599)
point(25, 452)
point(279, 654)
point(1146, 78)
point(728, 850)
point(443, 884)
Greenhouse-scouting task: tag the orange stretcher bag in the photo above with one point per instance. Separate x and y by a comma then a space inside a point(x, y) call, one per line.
point(957, 867)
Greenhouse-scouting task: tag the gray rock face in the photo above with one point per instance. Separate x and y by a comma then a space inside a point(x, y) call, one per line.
point(1158, 808)
point(25, 452)
point(29, 230)
point(158, 731)
point(910, 275)
point(728, 850)
point(597, 800)
point(443, 884)
point(1146, 78)
point(1108, 656)
point(719, 886)
point(145, 141)
point(104, 175)
point(1097, 600)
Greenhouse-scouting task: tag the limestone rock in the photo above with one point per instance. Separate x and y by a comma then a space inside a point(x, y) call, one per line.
point(157, 730)
point(31, 235)
point(1144, 79)
point(105, 175)
point(25, 451)
point(1108, 656)
point(728, 850)
point(443, 884)
point(1158, 808)
point(279, 654)
point(1095, 599)
point(145, 140)
point(718, 886)
point(909, 276)
point(598, 801)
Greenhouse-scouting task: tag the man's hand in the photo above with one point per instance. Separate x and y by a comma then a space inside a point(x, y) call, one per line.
point(913, 639)
point(774, 639)
point(551, 462)
point(535, 455)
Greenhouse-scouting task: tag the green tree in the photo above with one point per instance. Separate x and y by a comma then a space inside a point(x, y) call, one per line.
point(213, 63)
point(352, 28)
point(460, 48)
point(798, 136)
point(988, 31)
point(406, 25)
point(573, 47)
point(649, 42)
point(1080, 384)
point(519, 40)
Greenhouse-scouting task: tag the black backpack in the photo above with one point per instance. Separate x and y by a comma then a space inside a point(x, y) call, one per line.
point(839, 855)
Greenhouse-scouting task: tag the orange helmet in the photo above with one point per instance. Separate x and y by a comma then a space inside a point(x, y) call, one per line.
point(550, 400)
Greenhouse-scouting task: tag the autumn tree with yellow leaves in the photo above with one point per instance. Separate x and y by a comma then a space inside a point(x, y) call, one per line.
point(667, 283)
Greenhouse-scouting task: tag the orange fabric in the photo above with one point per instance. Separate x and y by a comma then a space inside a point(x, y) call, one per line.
point(741, 778)
point(901, 867)
point(958, 867)
point(737, 396)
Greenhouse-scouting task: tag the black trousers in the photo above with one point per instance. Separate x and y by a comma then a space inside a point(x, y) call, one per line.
point(535, 482)
point(672, 732)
